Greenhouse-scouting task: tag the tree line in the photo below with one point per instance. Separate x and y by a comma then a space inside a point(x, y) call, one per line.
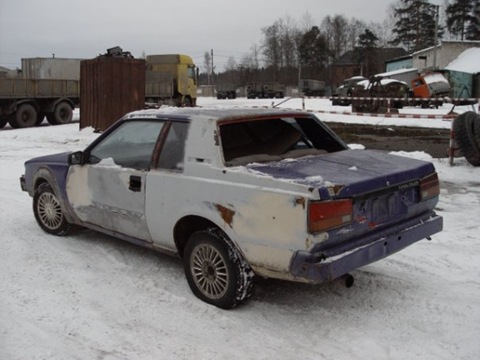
point(290, 49)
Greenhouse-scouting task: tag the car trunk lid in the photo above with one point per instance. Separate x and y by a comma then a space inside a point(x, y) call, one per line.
point(348, 173)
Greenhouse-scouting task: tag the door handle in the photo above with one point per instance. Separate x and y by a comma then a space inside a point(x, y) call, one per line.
point(135, 183)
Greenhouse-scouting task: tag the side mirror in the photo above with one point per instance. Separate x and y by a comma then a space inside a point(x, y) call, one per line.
point(76, 158)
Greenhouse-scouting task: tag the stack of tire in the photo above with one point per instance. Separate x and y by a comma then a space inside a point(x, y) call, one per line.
point(466, 128)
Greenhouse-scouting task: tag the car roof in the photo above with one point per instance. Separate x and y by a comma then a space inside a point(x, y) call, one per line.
point(187, 114)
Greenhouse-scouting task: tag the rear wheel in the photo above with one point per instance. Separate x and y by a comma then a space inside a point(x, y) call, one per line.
point(25, 116)
point(467, 134)
point(62, 114)
point(48, 211)
point(215, 271)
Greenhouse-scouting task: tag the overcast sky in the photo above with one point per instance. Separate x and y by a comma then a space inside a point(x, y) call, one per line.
point(86, 28)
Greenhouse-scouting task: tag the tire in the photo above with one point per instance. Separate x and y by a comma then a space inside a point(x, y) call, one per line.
point(25, 116)
point(187, 102)
point(62, 114)
point(215, 271)
point(467, 134)
point(48, 211)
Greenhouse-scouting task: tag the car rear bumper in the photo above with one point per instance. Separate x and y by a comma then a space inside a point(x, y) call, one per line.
point(317, 268)
point(23, 183)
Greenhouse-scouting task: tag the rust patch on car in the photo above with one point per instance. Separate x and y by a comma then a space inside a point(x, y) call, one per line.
point(335, 189)
point(300, 201)
point(226, 214)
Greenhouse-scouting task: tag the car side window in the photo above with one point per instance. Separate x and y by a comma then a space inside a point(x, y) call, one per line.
point(130, 145)
point(173, 150)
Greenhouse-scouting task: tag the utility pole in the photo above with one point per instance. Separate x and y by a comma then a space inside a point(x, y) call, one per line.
point(211, 57)
point(436, 37)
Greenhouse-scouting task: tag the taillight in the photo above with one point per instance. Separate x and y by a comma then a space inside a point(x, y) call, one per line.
point(326, 215)
point(429, 187)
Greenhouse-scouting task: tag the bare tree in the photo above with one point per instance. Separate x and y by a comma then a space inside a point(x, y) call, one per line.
point(336, 33)
point(271, 45)
point(207, 65)
point(384, 31)
point(251, 60)
point(231, 64)
point(306, 22)
point(250, 65)
point(289, 36)
point(354, 30)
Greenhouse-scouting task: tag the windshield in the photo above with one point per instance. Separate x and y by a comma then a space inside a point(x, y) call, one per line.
point(433, 78)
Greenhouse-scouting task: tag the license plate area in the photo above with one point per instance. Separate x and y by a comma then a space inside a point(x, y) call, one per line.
point(386, 205)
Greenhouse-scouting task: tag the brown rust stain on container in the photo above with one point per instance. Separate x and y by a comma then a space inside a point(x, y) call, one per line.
point(110, 87)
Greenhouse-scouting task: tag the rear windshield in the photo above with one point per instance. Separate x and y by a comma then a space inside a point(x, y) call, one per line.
point(265, 140)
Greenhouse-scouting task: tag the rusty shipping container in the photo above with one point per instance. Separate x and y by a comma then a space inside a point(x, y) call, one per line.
point(110, 87)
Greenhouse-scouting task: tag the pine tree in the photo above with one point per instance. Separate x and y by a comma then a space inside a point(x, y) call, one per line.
point(367, 40)
point(461, 19)
point(366, 52)
point(415, 24)
point(312, 49)
point(473, 30)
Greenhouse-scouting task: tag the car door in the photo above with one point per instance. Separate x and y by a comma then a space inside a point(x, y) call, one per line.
point(109, 190)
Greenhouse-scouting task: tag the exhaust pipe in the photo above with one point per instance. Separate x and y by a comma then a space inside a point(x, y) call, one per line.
point(347, 280)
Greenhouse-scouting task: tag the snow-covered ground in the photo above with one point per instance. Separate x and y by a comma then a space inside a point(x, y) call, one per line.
point(89, 296)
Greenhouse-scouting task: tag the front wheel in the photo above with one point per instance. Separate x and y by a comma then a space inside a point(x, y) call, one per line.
point(48, 211)
point(25, 116)
point(215, 271)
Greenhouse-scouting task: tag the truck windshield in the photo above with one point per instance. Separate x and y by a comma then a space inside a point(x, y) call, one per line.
point(191, 73)
point(434, 78)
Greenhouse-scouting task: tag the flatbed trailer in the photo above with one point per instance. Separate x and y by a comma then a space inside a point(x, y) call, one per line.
point(25, 102)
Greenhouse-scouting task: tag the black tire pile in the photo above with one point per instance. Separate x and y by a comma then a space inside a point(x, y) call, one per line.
point(467, 135)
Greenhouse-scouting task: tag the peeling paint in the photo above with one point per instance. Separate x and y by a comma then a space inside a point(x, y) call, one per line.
point(308, 243)
point(101, 195)
point(226, 214)
point(79, 193)
point(300, 201)
point(344, 231)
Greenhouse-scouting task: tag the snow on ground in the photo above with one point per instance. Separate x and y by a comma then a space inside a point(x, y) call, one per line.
point(89, 296)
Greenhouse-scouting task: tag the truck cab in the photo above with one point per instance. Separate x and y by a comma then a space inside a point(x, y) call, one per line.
point(430, 85)
point(171, 79)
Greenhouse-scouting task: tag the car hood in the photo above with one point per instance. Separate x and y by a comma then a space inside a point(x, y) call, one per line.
point(55, 159)
point(348, 173)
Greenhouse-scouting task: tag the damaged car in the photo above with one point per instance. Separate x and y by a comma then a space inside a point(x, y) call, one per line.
point(238, 194)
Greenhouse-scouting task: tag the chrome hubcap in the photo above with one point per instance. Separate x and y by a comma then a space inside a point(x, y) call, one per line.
point(49, 211)
point(209, 271)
